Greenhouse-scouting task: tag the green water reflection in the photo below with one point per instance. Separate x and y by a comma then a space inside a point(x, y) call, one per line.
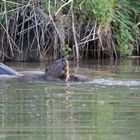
point(64, 111)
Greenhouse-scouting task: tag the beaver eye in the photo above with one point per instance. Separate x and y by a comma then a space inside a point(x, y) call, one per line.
point(63, 59)
point(46, 70)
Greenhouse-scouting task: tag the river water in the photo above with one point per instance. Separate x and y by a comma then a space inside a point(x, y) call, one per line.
point(106, 108)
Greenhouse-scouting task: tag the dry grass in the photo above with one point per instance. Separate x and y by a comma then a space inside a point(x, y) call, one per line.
point(31, 34)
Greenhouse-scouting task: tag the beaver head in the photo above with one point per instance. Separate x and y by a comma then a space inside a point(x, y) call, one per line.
point(59, 69)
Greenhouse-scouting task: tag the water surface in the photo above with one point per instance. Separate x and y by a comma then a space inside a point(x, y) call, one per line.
point(107, 108)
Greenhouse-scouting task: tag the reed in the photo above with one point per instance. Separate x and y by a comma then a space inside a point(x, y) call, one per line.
point(31, 33)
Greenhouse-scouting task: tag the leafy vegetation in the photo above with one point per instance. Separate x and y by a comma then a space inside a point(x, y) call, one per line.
point(67, 50)
point(124, 24)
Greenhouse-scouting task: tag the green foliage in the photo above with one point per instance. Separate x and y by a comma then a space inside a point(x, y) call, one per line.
point(1, 14)
point(52, 6)
point(124, 41)
point(97, 10)
point(119, 15)
point(45, 6)
point(66, 50)
point(124, 22)
point(2, 19)
point(9, 6)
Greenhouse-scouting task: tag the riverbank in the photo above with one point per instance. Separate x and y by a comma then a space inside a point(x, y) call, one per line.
point(43, 30)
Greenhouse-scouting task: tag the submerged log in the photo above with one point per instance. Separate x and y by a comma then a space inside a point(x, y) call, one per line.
point(7, 70)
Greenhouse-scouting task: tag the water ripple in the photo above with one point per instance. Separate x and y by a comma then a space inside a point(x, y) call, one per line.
point(111, 82)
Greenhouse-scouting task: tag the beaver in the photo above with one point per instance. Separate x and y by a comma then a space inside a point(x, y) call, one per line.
point(56, 71)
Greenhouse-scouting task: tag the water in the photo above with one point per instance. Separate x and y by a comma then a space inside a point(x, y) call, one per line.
point(107, 108)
